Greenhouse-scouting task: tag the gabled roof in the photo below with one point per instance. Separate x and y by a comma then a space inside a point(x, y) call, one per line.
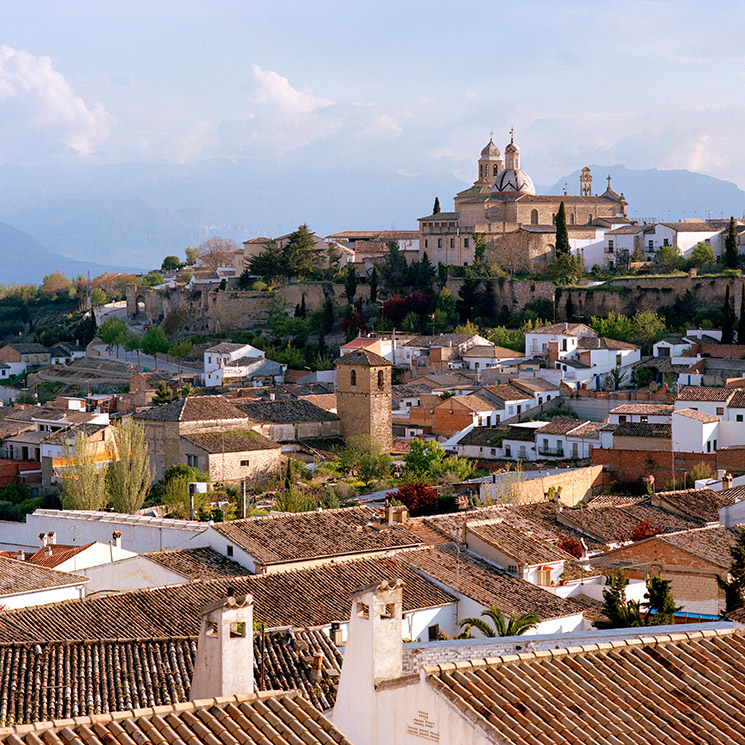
point(55, 554)
point(699, 416)
point(602, 342)
point(570, 329)
point(19, 577)
point(559, 426)
point(442, 340)
point(507, 392)
point(198, 563)
point(643, 429)
point(193, 409)
point(472, 402)
point(591, 694)
point(705, 393)
point(523, 546)
point(363, 357)
point(225, 347)
point(233, 441)
point(711, 544)
point(700, 504)
point(642, 408)
point(266, 718)
point(28, 348)
point(286, 410)
point(489, 351)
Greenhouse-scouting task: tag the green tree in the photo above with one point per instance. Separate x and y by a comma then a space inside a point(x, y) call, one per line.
point(56, 284)
point(479, 254)
point(469, 296)
point(176, 491)
point(374, 285)
point(660, 602)
point(191, 255)
point(163, 394)
point(731, 254)
point(170, 263)
point(269, 264)
point(638, 254)
point(562, 235)
point(445, 305)
point(393, 269)
point(741, 323)
point(83, 475)
point(728, 318)
point(151, 279)
point(129, 475)
point(702, 255)
point(113, 332)
point(181, 350)
point(363, 456)
point(424, 274)
point(98, 297)
point(350, 282)
point(302, 256)
point(328, 314)
point(566, 269)
point(436, 208)
point(618, 611)
point(133, 343)
point(428, 462)
point(154, 343)
point(515, 625)
point(733, 585)
point(669, 258)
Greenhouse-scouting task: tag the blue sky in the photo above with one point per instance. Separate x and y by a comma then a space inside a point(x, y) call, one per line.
point(410, 86)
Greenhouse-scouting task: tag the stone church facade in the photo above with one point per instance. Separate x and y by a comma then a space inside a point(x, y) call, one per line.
point(502, 206)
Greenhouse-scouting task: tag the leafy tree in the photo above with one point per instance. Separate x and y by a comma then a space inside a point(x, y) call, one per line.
point(151, 279)
point(56, 284)
point(170, 263)
point(741, 322)
point(418, 498)
point(427, 461)
point(133, 343)
point(163, 394)
point(176, 491)
point(181, 350)
point(731, 254)
point(333, 255)
point(619, 612)
point(566, 269)
point(302, 256)
point(502, 626)
point(217, 252)
point(192, 254)
point(393, 269)
point(660, 602)
point(734, 584)
point(507, 338)
point(562, 235)
point(350, 282)
point(364, 456)
point(445, 305)
point(98, 297)
point(83, 475)
point(436, 208)
point(728, 318)
point(638, 254)
point(669, 258)
point(479, 254)
point(129, 476)
point(702, 255)
point(154, 343)
point(374, 285)
point(113, 332)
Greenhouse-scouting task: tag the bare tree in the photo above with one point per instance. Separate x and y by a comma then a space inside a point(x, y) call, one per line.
point(512, 251)
point(84, 475)
point(130, 475)
point(217, 252)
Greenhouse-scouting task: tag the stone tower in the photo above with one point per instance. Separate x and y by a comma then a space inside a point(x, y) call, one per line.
point(490, 163)
point(585, 183)
point(512, 154)
point(364, 399)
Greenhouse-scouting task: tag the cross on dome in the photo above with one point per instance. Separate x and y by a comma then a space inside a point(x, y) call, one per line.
point(512, 135)
point(608, 178)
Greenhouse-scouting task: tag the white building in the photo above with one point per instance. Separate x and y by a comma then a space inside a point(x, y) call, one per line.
point(224, 354)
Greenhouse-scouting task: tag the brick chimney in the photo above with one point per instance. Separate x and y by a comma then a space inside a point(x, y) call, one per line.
point(42, 540)
point(225, 662)
point(116, 539)
point(553, 353)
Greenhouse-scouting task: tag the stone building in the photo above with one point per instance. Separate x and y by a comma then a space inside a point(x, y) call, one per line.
point(364, 396)
point(503, 206)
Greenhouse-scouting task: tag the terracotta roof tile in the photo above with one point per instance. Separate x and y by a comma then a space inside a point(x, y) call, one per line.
point(705, 393)
point(643, 429)
point(699, 416)
point(193, 409)
point(363, 357)
point(286, 410)
point(18, 577)
point(198, 563)
point(235, 441)
point(55, 554)
point(640, 408)
point(702, 505)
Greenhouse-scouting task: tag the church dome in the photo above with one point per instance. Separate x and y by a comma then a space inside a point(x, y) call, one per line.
point(513, 181)
point(512, 148)
point(491, 152)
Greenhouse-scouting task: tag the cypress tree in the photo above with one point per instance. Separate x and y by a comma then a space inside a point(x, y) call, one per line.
point(350, 282)
point(374, 285)
point(731, 256)
point(562, 236)
point(741, 325)
point(436, 208)
point(328, 314)
point(728, 318)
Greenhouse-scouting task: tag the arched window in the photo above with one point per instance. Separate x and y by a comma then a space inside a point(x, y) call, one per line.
point(353, 377)
point(553, 219)
point(381, 380)
point(571, 219)
point(496, 169)
point(534, 217)
point(589, 219)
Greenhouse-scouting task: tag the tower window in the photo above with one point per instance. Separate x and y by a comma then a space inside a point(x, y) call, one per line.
point(571, 219)
point(496, 169)
point(589, 219)
point(534, 217)
point(381, 380)
point(353, 377)
point(465, 243)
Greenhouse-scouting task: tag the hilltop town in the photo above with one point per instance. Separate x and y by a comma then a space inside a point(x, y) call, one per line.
point(479, 481)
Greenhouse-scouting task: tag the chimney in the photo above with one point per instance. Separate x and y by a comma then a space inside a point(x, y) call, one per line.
point(336, 634)
point(225, 660)
point(726, 481)
point(116, 537)
point(48, 550)
point(21, 555)
point(316, 667)
point(42, 540)
point(373, 655)
point(52, 538)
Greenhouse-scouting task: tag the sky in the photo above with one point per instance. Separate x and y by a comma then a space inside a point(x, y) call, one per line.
point(411, 86)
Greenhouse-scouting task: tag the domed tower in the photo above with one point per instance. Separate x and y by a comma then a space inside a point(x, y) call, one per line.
point(512, 154)
point(490, 163)
point(512, 179)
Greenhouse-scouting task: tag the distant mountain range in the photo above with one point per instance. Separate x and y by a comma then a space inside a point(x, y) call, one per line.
point(80, 217)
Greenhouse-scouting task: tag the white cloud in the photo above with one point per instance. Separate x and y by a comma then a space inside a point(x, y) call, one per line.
point(40, 113)
point(269, 87)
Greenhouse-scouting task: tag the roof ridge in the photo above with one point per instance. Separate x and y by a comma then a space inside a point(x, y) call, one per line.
point(276, 515)
point(639, 641)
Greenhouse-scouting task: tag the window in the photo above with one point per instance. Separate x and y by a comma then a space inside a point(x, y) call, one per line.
point(664, 242)
point(708, 446)
point(715, 445)
point(192, 460)
point(544, 576)
point(439, 243)
point(738, 418)
point(425, 243)
point(534, 217)
point(363, 610)
point(508, 451)
point(465, 243)
point(621, 418)
point(571, 219)
point(512, 568)
point(381, 380)
point(610, 246)
point(563, 345)
point(663, 351)
point(353, 377)
point(245, 463)
point(229, 551)
point(643, 418)
point(237, 629)
point(493, 451)
point(452, 243)
point(523, 452)
point(495, 170)
point(560, 447)
point(589, 219)
point(650, 245)
point(720, 410)
point(433, 632)
point(619, 358)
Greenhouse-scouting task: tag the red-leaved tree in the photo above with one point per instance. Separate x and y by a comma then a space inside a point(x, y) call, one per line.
point(419, 499)
point(644, 529)
point(572, 546)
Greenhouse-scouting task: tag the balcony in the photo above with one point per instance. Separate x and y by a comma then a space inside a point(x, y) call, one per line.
point(551, 452)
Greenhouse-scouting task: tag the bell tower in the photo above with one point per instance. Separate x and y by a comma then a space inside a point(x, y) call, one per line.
point(585, 183)
point(512, 154)
point(364, 398)
point(490, 162)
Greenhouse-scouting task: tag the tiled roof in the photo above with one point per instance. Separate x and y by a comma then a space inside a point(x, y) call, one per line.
point(443, 340)
point(198, 563)
point(654, 409)
point(738, 400)
point(484, 436)
point(305, 597)
point(363, 357)
point(507, 392)
point(699, 416)
point(249, 719)
point(299, 536)
point(485, 583)
point(286, 410)
point(601, 342)
point(534, 385)
point(705, 393)
point(193, 409)
point(587, 429)
point(643, 429)
point(225, 347)
point(471, 402)
point(573, 329)
point(18, 577)
point(681, 688)
point(523, 546)
point(83, 678)
point(491, 352)
point(711, 544)
point(29, 348)
point(59, 553)
point(68, 434)
point(410, 390)
point(237, 441)
point(689, 227)
point(559, 426)
point(699, 504)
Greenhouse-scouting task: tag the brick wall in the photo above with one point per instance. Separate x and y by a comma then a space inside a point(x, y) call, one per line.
point(626, 466)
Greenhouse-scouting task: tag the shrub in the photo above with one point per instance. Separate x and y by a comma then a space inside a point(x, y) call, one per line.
point(572, 546)
point(419, 499)
point(644, 529)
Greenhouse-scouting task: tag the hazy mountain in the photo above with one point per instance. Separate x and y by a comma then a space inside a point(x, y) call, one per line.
point(25, 260)
point(137, 213)
point(662, 195)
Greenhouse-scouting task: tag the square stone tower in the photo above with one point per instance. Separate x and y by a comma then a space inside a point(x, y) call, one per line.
point(364, 400)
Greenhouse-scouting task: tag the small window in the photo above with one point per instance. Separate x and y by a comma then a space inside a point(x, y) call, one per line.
point(650, 245)
point(192, 460)
point(512, 568)
point(381, 380)
point(433, 632)
point(439, 243)
point(664, 242)
point(720, 410)
point(534, 217)
point(389, 611)
point(643, 418)
point(715, 445)
point(563, 345)
point(465, 243)
point(708, 446)
point(738, 418)
point(237, 629)
point(229, 551)
point(353, 377)
point(452, 243)
point(363, 610)
point(621, 418)
point(211, 629)
point(245, 463)
point(425, 243)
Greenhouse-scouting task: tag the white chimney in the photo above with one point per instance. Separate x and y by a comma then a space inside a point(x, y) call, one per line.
point(48, 550)
point(21, 555)
point(116, 537)
point(52, 538)
point(225, 659)
point(42, 540)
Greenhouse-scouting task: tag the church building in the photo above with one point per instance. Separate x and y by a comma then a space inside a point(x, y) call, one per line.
point(503, 206)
